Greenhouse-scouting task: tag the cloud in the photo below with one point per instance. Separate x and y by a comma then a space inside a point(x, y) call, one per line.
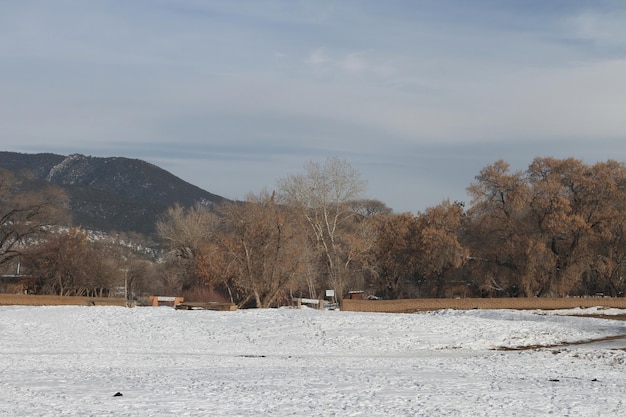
point(598, 26)
point(318, 57)
point(350, 64)
point(578, 102)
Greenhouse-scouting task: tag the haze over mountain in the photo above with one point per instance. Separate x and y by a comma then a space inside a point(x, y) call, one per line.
point(108, 194)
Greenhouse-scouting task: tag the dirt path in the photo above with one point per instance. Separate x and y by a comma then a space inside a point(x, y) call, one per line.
point(621, 317)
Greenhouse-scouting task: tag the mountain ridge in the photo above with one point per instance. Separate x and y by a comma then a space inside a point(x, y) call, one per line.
point(108, 193)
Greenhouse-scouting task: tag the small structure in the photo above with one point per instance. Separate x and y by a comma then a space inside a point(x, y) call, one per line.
point(17, 283)
point(312, 302)
point(356, 295)
point(160, 300)
point(206, 306)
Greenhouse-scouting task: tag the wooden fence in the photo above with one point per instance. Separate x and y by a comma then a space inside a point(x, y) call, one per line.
point(56, 300)
point(426, 304)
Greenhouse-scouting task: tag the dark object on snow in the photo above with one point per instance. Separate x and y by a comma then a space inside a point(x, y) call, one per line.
point(554, 380)
point(118, 394)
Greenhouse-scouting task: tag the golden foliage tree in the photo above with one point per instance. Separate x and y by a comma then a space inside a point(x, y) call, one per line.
point(439, 249)
point(264, 248)
point(555, 229)
point(496, 227)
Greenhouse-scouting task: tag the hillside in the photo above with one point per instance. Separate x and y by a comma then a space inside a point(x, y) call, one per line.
point(109, 194)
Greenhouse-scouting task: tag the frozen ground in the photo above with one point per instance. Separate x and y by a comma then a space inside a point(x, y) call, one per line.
point(70, 361)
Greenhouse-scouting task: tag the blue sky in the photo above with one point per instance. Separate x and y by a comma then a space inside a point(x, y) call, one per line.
point(417, 95)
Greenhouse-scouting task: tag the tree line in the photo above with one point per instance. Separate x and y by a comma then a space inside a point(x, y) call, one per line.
point(557, 228)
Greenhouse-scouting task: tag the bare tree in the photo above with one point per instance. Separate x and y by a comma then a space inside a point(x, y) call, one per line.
point(68, 263)
point(26, 216)
point(186, 230)
point(370, 207)
point(189, 234)
point(322, 195)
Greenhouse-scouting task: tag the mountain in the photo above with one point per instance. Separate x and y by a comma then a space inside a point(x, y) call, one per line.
point(109, 194)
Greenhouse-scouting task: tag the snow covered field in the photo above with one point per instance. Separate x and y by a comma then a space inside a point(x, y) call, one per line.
point(70, 361)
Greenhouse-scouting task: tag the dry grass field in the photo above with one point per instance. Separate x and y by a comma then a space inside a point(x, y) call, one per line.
point(374, 306)
point(56, 300)
point(425, 304)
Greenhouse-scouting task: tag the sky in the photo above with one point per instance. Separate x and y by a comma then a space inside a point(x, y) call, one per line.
point(231, 96)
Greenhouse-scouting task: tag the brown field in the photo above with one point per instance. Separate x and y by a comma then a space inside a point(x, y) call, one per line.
point(426, 304)
point(375, 306)
point(55, 300)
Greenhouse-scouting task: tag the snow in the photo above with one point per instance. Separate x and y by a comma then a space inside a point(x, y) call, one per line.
point(70, 361)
